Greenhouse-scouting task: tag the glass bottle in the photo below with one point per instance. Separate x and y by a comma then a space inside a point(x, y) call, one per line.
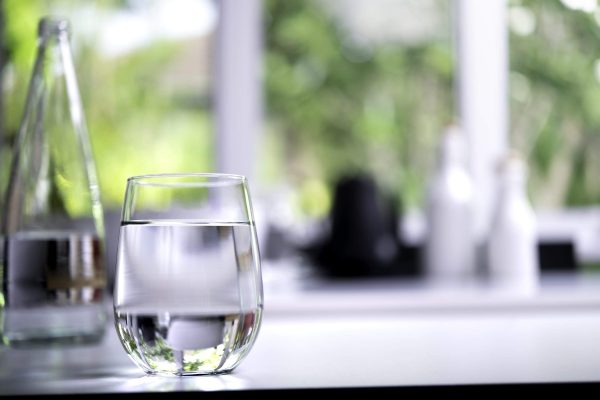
point(53, 271)
point(450, 244)
point(512, 245)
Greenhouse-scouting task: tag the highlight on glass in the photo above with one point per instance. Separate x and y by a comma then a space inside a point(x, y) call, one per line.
point(188, 293)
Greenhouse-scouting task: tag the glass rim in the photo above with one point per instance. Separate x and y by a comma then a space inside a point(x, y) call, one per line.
point(204, 179)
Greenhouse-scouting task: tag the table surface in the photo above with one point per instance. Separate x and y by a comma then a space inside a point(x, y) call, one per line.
point(362, 334)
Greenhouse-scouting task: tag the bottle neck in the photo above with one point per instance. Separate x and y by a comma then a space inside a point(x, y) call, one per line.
point(512, 177)
point(53, 27)
point(513, 187)
point(451, 152)
point(447, 161)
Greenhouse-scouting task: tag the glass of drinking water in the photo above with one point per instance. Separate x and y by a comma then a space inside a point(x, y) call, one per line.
point(188, 293)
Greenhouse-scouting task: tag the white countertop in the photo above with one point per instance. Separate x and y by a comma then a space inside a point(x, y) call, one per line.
point(378, 333)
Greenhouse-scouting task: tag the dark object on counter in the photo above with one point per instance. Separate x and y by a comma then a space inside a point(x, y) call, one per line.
point(364, 238)
point(557, 256)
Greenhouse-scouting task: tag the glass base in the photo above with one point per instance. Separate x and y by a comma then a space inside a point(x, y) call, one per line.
point(53, 325)
point(185, 373)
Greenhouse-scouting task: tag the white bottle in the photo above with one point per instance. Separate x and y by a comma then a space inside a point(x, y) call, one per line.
point(512, 244)
point(450, 240)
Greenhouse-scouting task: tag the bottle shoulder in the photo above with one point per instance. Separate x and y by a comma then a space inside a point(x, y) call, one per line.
point(514, 211)
point(451, 184)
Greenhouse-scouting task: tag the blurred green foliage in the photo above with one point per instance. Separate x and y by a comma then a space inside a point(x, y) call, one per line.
point(335, 104)
point(341, 106)
point(137, 124)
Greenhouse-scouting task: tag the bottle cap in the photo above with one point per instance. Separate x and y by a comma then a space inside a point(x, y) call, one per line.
point(53, 26)
point(512, 166)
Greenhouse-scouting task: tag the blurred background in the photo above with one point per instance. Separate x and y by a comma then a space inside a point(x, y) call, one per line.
point(335, 87)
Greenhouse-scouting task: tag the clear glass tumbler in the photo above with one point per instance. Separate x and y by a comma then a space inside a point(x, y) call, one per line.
point(188, 293)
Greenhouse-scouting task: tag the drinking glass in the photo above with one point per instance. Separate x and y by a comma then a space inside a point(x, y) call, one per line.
point(188, 293)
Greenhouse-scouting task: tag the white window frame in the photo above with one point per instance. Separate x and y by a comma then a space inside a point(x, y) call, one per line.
point(238, 86)
point(482, 94)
